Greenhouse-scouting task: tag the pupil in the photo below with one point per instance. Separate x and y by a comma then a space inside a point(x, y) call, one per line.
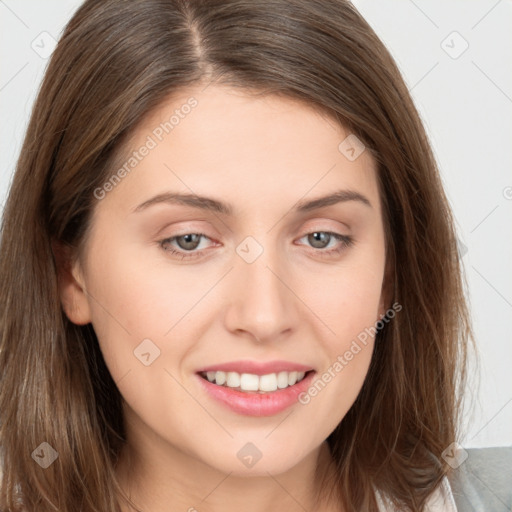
point(317, 236)
point(191, 241)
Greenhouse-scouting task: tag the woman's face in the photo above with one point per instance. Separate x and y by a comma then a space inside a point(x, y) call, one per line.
point(251, 273)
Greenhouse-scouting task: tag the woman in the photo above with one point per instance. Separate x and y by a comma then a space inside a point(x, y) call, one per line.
point(229, 270)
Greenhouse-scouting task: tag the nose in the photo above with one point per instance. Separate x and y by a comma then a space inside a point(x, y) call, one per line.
point(263, 303)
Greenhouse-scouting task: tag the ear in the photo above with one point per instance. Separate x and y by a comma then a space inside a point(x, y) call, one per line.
point(72, 291)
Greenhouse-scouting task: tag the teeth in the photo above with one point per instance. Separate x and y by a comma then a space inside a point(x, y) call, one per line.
point(249, 382)
point(282, 380)
point(267, 382)
point(233, 380)
point(252, 382)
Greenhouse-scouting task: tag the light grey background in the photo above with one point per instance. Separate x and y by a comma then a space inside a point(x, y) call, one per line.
point(465, 100)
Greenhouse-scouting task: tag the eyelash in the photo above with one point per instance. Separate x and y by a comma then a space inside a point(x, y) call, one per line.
point(346, 241)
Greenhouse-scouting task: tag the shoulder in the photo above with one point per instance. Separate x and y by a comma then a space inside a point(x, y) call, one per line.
point(484, 480)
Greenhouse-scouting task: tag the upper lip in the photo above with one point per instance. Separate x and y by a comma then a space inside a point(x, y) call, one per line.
point(257, 367)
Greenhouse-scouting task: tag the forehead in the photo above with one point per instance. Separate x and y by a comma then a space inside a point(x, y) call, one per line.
point(243, 147)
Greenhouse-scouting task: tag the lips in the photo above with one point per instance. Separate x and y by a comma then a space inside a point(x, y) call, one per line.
point(256, 389)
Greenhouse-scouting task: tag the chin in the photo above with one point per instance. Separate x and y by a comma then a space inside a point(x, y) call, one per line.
point(253, 460)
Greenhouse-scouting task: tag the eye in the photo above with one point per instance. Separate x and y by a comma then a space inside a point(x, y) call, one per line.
point(187, 243)
point(321, 239)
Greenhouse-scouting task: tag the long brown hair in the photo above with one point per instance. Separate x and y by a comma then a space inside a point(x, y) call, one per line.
point(116, 62)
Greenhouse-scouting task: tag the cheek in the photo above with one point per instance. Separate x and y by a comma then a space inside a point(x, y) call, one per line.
point(348, 303)
point(346, 300)
point(128, 306)
point(135, 299)
point(349, 306)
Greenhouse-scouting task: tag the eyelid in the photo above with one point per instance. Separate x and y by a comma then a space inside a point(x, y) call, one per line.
point(188, 230)
point(322, 225)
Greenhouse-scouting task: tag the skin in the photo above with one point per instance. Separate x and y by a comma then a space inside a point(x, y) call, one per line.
point(261, 155)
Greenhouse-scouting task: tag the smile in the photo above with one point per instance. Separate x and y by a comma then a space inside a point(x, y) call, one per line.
point(250, 394)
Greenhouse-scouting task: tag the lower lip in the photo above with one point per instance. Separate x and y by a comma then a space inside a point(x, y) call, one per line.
point(254, 403)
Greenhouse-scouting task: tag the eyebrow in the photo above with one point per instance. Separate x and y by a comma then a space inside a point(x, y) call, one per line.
point(214, 205)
